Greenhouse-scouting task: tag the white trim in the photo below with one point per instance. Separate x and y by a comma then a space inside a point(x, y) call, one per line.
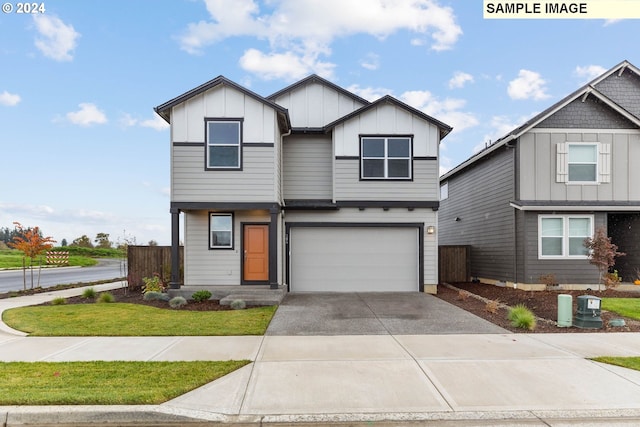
point(565, 235)
point(581, 208)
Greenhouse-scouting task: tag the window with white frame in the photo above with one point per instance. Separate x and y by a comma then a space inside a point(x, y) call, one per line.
point(444, 191)
point(385, 157)
point(220, 231)
point(582, 162)
point(223, 144)
point(562, 236)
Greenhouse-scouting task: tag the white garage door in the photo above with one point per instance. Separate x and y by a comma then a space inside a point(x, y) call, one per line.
point(353, 259)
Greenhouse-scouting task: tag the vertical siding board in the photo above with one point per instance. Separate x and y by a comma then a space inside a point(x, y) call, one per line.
point(178, 123)
point(307, 168)
point(214, 102)
point(634, 167)
point(526, 146)
point(195, 119)
point(543, 163)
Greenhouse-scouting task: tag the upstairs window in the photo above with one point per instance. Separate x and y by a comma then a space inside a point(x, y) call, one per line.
point(223, 144)
point(582, 162)
point(385, 158)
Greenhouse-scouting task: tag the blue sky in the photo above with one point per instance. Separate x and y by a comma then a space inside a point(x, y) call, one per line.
point(83, 152)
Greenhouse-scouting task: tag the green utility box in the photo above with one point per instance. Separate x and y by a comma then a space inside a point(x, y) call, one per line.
point(565, 310)
point(588, 313)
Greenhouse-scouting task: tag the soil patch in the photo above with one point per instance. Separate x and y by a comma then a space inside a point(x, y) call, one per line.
point(544, 304)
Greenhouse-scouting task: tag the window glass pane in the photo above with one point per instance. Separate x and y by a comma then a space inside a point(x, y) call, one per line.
point(399, 147)
point(552, 227)
point(220, 238)
point(398, 168)
point(551, 246)
point(372, 147)
point(580, 227)
point(582, 153)
point(221, 222)
point(444, 191)
point(224, 133)
point(223, 156)
point(582, 172)
point(576, 246)
point(373, 168)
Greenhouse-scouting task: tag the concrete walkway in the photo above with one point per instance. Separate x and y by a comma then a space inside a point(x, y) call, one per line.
point(453, 380)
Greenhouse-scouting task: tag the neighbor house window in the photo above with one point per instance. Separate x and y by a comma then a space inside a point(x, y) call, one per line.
point(385, 157)
point(223, 144)
point(582, 162)
point(444, 191)
point(221, 231)
point(562, 236)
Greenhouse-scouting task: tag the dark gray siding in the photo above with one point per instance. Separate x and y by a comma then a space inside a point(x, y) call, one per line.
point(567, 271)
point(624, 90)
point(624, 230)
point(480, 198)
point(591, 114)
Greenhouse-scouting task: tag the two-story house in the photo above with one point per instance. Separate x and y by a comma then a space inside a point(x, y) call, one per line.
point(312, 188)
point(526, 203)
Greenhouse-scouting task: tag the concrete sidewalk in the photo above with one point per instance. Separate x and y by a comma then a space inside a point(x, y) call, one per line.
point(453, 380)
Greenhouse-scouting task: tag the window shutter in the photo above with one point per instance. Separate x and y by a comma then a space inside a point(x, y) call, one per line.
point(562, 174)
point(604, 162)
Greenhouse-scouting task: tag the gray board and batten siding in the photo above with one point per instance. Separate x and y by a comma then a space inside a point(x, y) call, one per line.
point(308, 167)
point(477, 213)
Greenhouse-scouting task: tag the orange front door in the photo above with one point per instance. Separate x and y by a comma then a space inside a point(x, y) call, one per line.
point(256, 252)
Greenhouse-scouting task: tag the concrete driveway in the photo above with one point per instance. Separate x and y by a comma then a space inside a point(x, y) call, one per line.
point(374, 313)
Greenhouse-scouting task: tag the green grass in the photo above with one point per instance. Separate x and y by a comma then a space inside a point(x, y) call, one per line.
point(11, 258)
point(521, 317)
point(625, 362)
point(627, 307)
point(120, 319)
point(105, 383)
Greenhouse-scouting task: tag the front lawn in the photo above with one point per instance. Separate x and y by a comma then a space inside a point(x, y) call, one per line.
point(627, 307)
point(105, 383)
point(120, 319)
point(625, 362)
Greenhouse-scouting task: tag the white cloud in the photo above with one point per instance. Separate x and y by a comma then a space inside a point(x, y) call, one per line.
point(288, 65)
point(371, 62)
point(589, 72)
point(369, 93)
point(299, 32)
point(528, 85)
point(9, 99)
point(459, 79)
point(157, 123)
point(87, 115)
point(56, 40)
point(448, 110)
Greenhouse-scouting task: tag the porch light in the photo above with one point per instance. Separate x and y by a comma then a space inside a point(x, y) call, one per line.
point(431, 229)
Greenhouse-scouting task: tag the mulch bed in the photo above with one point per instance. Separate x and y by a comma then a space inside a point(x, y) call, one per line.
point(544, 304)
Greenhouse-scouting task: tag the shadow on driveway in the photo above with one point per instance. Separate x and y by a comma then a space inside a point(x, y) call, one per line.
point(374, 313)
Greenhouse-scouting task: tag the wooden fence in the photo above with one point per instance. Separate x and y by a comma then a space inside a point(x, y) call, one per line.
point(145, 261)
point(454, 264)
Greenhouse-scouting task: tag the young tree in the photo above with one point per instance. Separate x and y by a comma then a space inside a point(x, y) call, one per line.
point(102, 240)
point(82, 241)
point(31, 244)
point(602, 253)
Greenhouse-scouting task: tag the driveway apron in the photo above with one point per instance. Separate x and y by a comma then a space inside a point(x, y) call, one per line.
point(374, 313)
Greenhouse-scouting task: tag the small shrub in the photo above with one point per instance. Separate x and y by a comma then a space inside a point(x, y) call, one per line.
point(201, 296)
point(153, 296)
point(521, 317)
point(463, 295)
point(89, 293)
point(238, 304)
point(612, 280)
point(106, 297)
point(58, 301)
point(492, 306)
point(152, 284)
point(177, 302)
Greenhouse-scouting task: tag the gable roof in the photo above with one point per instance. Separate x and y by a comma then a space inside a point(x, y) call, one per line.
point(164, 110)
point(584, 92)
point(314, 78)
point(388, 99)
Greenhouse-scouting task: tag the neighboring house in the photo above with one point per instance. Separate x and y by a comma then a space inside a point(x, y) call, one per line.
point(312, 188)
point(526, 203)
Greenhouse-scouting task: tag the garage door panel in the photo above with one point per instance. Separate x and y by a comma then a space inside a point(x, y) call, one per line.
point(347, 259)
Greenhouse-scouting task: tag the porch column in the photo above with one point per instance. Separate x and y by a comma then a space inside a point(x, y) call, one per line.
point(273, 248)
point(175, 282)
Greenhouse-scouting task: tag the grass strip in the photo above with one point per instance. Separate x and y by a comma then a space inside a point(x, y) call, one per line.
point(625, 362)
point(105, 383)
point(627, 307)
point(121, 319)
